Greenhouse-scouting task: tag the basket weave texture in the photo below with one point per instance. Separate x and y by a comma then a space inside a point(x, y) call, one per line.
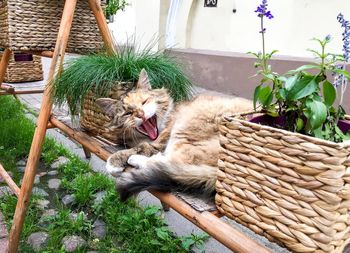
point(33, 25)
point(24, 71)
point(95, 120)
point(288, 187)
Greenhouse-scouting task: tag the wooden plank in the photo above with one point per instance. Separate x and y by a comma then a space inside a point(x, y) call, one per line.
point(8, 88)
point(21, 92)
point(39, 134)
point(217, 228)
point(13, 186)
point(95, 6)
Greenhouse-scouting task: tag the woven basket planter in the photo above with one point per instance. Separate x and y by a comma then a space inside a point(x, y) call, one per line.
point(24, 71)
point(97, 122)
point(288, 187)
point(33, 25)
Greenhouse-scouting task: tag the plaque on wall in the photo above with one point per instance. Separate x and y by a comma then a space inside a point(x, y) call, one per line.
point(210, 3)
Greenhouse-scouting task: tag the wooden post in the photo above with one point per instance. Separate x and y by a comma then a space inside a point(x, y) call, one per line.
point(3, 173)
point(95, 6)
point(5, 59)
point(39, 135)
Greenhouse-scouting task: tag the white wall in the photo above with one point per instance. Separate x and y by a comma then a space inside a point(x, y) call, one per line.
point(290, 32)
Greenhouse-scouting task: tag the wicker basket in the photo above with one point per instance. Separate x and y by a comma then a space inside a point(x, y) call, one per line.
point(33, 25)
point(94, 120)
point(291, 188)
point(24, 71)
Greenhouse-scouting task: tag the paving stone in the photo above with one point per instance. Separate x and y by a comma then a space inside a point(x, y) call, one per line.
point(3, 245)
point(42, 204)
point(68, 199)
point(21, 165)
point(49, 213)
point(99, 196)
point(3, 229)
point(52, 173)
point(54, 183)
point(5, 190)
point(38, 241)
point(40, 192)
point(99, 229)
point(62, 160)
point(73, 243)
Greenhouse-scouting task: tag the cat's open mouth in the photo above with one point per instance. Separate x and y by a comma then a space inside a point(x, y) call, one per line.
point(149, 128)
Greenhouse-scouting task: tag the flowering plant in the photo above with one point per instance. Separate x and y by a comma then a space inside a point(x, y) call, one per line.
point(297, 96)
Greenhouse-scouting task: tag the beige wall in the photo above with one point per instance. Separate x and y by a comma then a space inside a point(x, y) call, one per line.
point(295, 23)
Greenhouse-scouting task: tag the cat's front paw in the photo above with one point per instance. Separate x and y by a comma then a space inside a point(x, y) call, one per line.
point(138, 161)
point(113, 168)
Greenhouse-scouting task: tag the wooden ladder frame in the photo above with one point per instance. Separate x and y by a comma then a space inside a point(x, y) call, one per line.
point(209, 222)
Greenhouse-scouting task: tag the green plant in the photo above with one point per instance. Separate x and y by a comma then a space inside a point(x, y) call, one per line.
point(113, 6)
point(100, 72)
point(297, 96)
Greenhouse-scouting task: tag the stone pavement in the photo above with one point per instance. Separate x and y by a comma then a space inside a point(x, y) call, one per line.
point(176, 222)
point(3, 235)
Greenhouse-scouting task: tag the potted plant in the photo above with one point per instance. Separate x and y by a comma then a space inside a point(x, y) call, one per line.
point(112, 75)
point(284, 173)
point(112, 7)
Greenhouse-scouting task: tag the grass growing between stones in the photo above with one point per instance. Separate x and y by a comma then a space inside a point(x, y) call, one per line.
point(129, 228)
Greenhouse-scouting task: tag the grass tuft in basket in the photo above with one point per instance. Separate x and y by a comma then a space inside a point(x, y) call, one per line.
point(100, 72)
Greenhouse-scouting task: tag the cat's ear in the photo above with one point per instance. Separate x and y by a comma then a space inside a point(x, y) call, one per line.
point(143, 83)
point(108, 106)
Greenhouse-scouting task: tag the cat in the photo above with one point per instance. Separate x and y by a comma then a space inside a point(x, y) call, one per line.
point(183, 154)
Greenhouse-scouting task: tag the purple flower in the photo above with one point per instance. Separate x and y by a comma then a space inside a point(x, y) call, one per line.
point(328, 37)
point(346, 36)
point(262, 10)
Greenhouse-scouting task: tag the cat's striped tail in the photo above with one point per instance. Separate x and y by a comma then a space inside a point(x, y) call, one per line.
point(166, 177)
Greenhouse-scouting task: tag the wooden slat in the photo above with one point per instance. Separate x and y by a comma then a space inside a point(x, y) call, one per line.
point(8, 88)
point(13, 186)
point(21, 92)
point(224, 233)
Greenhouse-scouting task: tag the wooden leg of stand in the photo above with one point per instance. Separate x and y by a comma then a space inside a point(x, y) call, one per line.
point(39, 135)
point(87, 153)
point(95, 6)
point(5, 59)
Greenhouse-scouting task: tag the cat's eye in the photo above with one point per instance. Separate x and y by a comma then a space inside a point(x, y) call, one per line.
point(127, 114)
point(145, 101)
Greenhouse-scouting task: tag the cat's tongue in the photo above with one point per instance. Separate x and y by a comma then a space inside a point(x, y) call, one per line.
point(149, 127)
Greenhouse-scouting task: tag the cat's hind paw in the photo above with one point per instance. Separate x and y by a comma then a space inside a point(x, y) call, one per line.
point(138, 161)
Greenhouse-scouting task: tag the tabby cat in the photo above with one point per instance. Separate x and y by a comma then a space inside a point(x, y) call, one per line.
point(184, 146)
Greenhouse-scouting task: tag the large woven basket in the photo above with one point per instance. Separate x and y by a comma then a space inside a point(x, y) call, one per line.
point(33, 25)
point(24, 71)
point(291, 188)
point(95, 120)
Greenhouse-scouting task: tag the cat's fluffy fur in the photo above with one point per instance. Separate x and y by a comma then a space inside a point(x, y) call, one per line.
point(184, 157)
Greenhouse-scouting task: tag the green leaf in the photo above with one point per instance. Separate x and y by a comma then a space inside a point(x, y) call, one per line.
point(316, 113)
point(290, 82)
point(162, 233)
point(256, 95)
point(300, 124)
point(302, 88)
point(302, 68)
point(265, 96)
point(329, 93)
point(282, 92)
